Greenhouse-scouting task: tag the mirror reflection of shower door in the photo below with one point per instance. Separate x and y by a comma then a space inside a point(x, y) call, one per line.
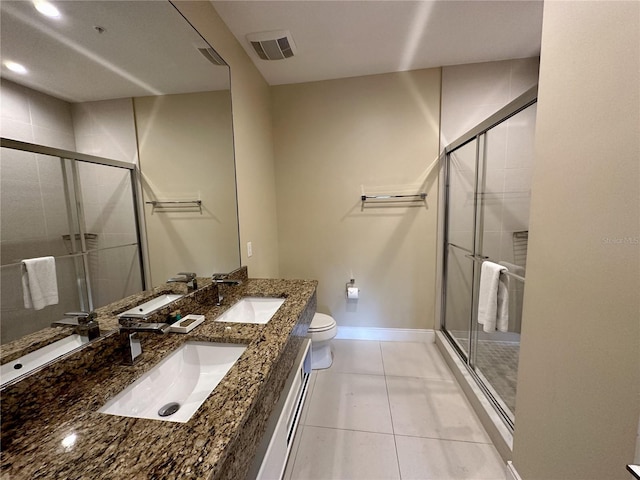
point(37, 212)
point(81, 213)
point(110, 232)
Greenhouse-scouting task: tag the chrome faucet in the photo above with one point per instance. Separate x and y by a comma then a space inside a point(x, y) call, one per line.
point(222, 279)
point(130, 327)
point(186, 277)
point(83, 324)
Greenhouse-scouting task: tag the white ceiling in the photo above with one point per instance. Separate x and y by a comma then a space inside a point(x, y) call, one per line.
point(147, 48)
point(346, 38)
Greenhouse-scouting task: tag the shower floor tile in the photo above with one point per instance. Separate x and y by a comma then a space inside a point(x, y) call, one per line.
point(497, 360)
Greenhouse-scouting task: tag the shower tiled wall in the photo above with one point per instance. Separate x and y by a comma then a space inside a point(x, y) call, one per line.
point(106, 129)
point(31, 116)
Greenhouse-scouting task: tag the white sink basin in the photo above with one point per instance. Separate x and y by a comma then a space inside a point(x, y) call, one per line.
point(252, 310)
point(33, 360)
point(147, 308)
point(186, 377)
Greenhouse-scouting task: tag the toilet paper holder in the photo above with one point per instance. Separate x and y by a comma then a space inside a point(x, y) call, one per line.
point(351, 291)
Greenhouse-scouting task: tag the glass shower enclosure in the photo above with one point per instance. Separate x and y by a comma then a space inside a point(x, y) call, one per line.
point(486, 197)
point(82, 210)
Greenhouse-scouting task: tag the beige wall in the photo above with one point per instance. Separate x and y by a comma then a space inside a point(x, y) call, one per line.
point(253, 141)
point(185, 148)
point(333, 137)
point(578, 384)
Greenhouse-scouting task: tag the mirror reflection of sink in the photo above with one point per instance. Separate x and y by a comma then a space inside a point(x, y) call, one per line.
point(252, 310)
point(147, 308)
point(175, 388)
point(33, 360)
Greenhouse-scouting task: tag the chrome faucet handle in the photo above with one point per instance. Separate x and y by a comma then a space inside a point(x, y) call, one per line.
point(223, 279)
point(130, 328)
point(82, 318)
point(186, 277)
point(83, 323)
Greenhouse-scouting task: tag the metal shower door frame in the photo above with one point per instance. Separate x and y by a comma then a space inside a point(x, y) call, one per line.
point(477, 134)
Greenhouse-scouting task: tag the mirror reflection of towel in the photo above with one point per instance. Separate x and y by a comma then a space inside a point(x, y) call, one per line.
point(39, 282)
point(493, 298)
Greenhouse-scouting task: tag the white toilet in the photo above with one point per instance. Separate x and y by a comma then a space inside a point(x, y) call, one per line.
point(322, 329)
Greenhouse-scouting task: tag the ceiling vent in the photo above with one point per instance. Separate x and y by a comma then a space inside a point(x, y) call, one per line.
point(273, 45)
point(211, 55)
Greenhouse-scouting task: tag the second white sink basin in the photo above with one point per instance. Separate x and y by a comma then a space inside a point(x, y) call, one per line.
point(33, 360)
point(252, 310)
point(184, 379)
point(147, 308)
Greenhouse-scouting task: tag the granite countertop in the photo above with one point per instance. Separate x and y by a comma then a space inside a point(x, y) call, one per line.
point(51, 427)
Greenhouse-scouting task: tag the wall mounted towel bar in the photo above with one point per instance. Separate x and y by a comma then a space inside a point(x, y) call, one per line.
point(169, 203)
point(16, 262)
point(175, 204)
point(480, 259)
point(395, 198)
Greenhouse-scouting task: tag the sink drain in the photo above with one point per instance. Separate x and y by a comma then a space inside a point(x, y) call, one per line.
point(169, 409)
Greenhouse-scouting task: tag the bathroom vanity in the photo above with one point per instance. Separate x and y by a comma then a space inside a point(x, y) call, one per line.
point(52, 427)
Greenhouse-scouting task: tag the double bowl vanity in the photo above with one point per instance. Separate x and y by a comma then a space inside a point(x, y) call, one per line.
point(194, 405)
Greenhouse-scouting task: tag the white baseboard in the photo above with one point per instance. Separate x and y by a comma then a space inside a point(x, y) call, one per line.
point(511, 472)
point(386, 334)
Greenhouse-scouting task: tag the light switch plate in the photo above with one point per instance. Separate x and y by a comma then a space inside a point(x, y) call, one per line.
point(249, 249)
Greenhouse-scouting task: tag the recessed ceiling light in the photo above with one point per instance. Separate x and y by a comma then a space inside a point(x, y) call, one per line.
point(15, 67)
point(46, 8)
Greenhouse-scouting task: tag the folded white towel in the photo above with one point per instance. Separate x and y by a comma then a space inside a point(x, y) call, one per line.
point(39, 282)
point(493, 301)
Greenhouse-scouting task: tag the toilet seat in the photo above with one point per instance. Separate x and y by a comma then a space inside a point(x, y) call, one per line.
point(321, 323)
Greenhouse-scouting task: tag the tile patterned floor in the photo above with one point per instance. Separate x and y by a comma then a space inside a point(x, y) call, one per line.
point(498, 362)
point(389, 410)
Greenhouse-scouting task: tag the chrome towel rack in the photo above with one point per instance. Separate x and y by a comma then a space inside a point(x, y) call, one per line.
point(175, 204)
point(417, 197)
point(480, 259)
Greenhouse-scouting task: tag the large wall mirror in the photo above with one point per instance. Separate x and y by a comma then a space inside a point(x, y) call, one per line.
point(130, 81)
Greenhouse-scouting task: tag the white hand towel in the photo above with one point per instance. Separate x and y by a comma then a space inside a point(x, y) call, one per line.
point(516, 292)
point(39, 282)
point(493, 301)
